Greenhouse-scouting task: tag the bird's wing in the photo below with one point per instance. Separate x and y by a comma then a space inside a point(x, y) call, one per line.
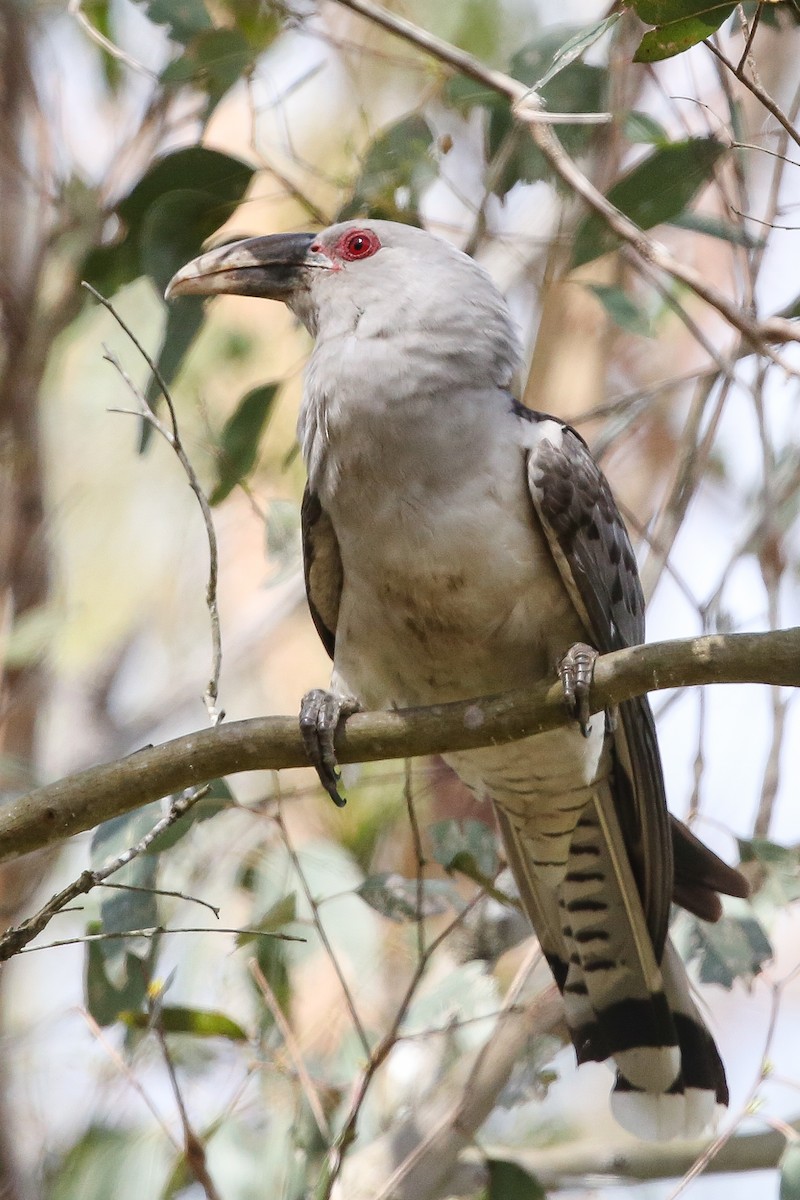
point(322, 568)
point(592, 551)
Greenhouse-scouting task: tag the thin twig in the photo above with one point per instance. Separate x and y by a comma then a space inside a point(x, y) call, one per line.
point(293, 1047)
point(13, 940)
point(171, 434)
point(193, 1148)
point(156, 931)
point(416, 838)
point(381, 1052)
point(323, 936)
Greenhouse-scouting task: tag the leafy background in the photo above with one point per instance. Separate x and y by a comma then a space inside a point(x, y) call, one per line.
point(197, 121)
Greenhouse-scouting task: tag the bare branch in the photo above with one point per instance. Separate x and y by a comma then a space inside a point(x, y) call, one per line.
point(80, 801)
point(172, 436)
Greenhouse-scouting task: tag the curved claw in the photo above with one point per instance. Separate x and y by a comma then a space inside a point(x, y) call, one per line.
point(576, 671)
point(320, 713)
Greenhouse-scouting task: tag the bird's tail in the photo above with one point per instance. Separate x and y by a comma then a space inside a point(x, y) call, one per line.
point(620, 1003)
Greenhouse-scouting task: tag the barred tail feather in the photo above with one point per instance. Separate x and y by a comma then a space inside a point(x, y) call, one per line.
point(620, 1003)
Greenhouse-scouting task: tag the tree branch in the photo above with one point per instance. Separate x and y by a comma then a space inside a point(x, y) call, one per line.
point(81, 801)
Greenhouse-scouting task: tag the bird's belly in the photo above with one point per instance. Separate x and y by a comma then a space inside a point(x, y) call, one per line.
point(447, 613)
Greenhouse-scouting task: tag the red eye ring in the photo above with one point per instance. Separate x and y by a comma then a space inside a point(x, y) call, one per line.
point(357, 244)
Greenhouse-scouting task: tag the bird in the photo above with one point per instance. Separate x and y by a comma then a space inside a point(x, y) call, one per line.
point(457, 543)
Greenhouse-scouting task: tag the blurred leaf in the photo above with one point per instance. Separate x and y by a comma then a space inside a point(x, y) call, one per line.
point(791, 311)
point(212, 62)
point(238, 441)
point(735, 947)
point(270, 954)
point(283, 912)
point(468, 846)
point(182, 326)
point(397, 168)
point(98, 14)
point(259, 23)
point(663, 12)
point(218, 798)
point(395, 897)
point(641, 127)
point(714, 227)
point(220, 179)
point(668, 40)
point(789, 1167)
point(655, 190)
point(183, 18)
point(105, 1163)
point(779, 870)
point(200, 1022)
point(107, 996)
point(577, 87)
point(119, 970)
point(623, 310)
point(284, 544)
point(507, 1181)
point(30, 637)
point(575, 46)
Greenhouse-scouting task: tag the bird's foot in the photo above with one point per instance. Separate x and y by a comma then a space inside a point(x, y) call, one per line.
point(320, 714)
point(576, 671)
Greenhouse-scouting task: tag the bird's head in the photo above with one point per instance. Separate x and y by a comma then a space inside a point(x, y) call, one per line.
point(379, 276)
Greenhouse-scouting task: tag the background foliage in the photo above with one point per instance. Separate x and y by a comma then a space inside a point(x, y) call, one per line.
point(230, 1061)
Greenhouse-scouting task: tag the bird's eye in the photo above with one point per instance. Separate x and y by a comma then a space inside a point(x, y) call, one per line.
point(359, 243)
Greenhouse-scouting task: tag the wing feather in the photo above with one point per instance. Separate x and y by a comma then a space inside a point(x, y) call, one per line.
point(322, 568)
point(593, 553)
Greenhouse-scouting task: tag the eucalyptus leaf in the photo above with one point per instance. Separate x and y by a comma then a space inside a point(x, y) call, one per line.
point(396, 897)
point(668, 40)
point(656, 190)
point(575, 46)
point(508, 1181)
point(467, 846)
point(622, 309)
point(198, 1022)
point(239, 439)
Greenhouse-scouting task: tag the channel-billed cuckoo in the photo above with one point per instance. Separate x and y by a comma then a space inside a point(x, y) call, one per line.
point(457, 544)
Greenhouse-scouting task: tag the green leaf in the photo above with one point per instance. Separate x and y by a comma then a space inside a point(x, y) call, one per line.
point(213, 62)
point(507, 1181)
point(125, 1164)
point(575, 46)
point(664, 12)
point(716, 228)
point(217, 799)
point(668, 40)
point(199, 1022)
point(622, 310)
point(282, 912)
point(397, 168)
point(779, 870)
point(238, 441)
point(183, 18)
point(284, 543)
point(118, 971)
point(735, 947)
point(468, 846)
point(107, 995)
point(640, 127)
point(789, 1167)
point(395, 897)
point(220, 179)
point(655, 190)
point(259, 23)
